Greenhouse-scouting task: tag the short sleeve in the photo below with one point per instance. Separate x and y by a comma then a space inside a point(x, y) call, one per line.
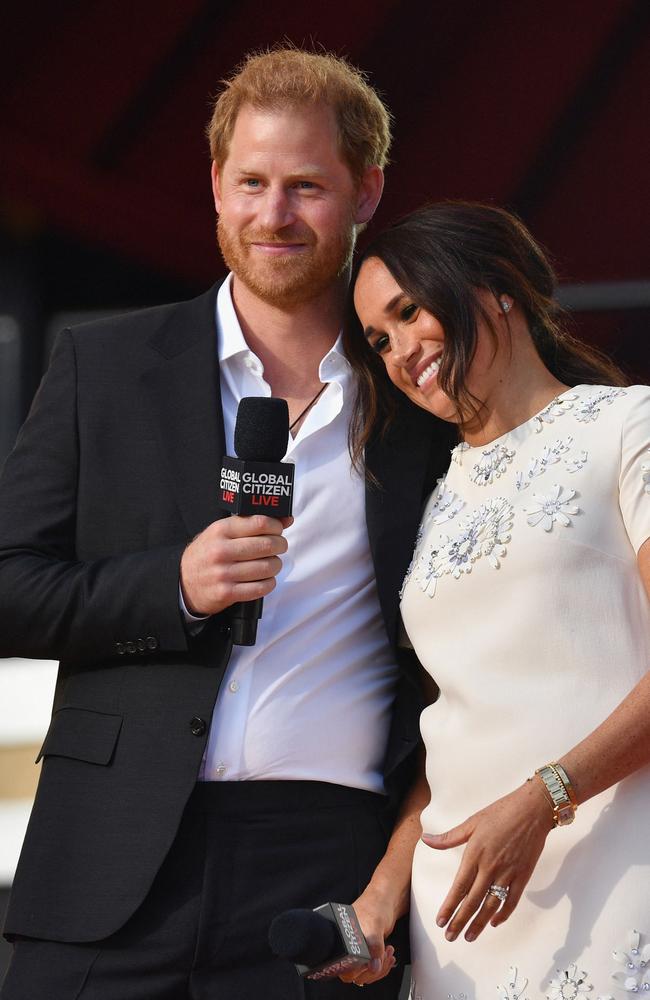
point(634, 483)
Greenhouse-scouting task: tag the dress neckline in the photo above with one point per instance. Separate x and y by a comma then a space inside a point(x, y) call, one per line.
point(533, 421)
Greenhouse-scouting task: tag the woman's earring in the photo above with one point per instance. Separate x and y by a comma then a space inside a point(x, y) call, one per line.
point(505, 305)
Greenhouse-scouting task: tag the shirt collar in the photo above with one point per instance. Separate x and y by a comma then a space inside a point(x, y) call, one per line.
point(231, 341)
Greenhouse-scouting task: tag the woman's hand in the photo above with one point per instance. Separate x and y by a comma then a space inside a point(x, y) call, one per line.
point(504, 842)
point(377, 918)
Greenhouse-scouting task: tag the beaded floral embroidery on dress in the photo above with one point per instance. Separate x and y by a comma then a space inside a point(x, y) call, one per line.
point(444, 507)
point(515, 986)
point(550, 455)
point(482, 534)
point(569, 983)
point(589, 408)
point(645, 475)
point(493, 463)
point(577, 463)
point(555, 408)
point(634, 957)
point(547, 508)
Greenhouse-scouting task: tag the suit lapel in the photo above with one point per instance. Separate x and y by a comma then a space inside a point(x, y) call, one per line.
point(184, 388)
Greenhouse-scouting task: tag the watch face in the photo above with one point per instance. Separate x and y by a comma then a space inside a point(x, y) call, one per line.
point(565, 815)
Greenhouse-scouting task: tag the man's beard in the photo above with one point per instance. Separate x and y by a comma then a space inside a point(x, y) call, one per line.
point(293, 278)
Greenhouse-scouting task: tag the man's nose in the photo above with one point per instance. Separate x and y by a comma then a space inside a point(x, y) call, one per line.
point(277, 210)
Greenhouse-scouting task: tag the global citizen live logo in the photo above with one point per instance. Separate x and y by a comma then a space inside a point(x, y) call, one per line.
point(256, 487)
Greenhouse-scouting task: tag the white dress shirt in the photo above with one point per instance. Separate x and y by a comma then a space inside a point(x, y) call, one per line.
point(312, 699)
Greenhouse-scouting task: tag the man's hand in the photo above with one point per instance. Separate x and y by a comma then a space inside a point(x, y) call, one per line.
point(234, 559)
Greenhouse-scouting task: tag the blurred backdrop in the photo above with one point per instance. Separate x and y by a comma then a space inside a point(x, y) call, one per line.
point(105, 200)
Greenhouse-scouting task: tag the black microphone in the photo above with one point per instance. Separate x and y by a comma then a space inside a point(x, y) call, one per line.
point(322, 943)
point(256, 482)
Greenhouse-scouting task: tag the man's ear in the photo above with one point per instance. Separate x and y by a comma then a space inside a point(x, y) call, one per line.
point(216, 186)
point(368, 194)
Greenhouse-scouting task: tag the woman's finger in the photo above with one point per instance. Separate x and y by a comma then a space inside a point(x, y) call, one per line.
point(486, 913)
point(450, 838)
point(517, 886)
point(388, 964)
point(473, 901)
point(461, 886)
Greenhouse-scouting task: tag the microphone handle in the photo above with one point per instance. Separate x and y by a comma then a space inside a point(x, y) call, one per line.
point(244, 616)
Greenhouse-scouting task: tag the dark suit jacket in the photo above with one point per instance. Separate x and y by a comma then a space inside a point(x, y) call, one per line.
point(114, 471)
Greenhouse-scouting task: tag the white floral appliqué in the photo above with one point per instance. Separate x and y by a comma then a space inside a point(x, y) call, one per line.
point(515, 987)
point(491, 465)
point(577, 463)
point(550, 507)
point(588, 409)
point(568, 984)
point(555, 408)
point(645, 475)
point(634, 977)
point(445, 505)
point(457, 453)
point(482, 534)
point(550, 455)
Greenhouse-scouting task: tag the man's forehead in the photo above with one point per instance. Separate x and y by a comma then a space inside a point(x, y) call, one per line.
point(291, 121)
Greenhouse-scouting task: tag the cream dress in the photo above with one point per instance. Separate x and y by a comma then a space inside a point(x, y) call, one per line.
point(524, 603)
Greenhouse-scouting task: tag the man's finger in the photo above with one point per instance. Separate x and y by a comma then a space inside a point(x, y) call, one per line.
point(246, 527)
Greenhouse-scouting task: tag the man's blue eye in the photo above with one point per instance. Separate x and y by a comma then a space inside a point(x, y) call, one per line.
point(306, 185)
point(251, 182)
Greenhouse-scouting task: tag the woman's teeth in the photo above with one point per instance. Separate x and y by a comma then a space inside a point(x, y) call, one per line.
point(430, 370)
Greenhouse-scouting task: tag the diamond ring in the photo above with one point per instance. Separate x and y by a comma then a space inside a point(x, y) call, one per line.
point(500, 891)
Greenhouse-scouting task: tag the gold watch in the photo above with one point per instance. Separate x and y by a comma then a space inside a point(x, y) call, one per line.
point(561, 793)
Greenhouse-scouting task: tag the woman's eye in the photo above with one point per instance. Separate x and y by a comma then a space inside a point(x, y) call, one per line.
point(408, 312)
point(380, 344)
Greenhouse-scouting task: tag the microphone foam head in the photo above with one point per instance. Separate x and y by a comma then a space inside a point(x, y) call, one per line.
point(303, 937)
point(262, 429)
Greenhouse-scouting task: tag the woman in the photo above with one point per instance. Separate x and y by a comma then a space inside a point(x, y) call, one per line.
point(527, 601)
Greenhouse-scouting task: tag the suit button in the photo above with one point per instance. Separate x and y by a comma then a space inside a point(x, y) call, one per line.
point(198, 726)
point(225, 629)
point(152, 642)
point(141, 644)
point(120, 648)
point(130, 647)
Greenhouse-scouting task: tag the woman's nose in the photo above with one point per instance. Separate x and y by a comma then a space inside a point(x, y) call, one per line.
point(404, 348)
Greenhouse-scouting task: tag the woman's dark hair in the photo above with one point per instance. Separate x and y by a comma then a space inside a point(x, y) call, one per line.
point(441, 256)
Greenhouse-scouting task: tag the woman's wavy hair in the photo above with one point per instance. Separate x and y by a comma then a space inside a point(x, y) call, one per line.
point(441, 256)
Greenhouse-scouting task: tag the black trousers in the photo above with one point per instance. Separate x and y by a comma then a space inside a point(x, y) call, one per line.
point(244, 852)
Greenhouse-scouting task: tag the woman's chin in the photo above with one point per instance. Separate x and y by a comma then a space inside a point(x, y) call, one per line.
point(434, 400)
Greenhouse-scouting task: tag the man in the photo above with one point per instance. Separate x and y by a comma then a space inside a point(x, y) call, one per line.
point(137, 881)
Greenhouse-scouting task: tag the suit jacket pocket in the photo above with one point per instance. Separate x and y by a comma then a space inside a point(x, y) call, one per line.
point(82, 734)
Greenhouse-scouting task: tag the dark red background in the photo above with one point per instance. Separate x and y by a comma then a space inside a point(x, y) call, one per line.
point(541, 106)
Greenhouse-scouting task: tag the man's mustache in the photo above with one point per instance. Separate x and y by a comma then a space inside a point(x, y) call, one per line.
point(279, 238)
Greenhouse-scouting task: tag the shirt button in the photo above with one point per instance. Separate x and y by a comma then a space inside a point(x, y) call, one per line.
point(234, 686)
point(197, 725)
point(220, 770)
